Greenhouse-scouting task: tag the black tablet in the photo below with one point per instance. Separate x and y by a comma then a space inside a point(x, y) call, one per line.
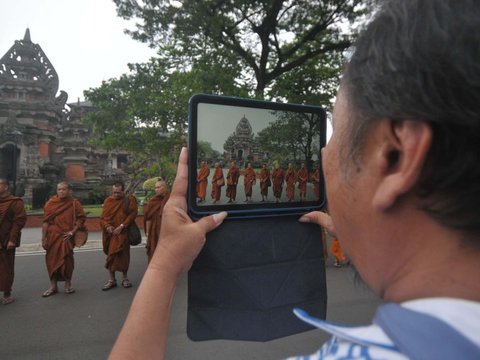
point(254, 158)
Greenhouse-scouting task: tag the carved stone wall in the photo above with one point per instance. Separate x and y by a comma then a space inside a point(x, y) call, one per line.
point(42, 138)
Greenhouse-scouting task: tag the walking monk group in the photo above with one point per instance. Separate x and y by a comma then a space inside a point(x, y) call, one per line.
point(233, 175)
point(12, 220)
point(153, 216)
point(63, 216)
point(119, 211)
point(202, 180)
point(217, 182)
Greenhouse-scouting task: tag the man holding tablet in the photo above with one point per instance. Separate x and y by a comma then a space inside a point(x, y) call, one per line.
point(403, 183)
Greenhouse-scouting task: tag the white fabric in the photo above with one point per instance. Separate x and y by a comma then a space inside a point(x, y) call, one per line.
point(370, 342)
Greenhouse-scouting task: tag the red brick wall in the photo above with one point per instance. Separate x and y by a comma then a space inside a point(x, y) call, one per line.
point(75, 172)
point(43, 149)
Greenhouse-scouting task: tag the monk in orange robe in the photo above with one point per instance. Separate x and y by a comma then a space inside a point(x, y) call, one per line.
point(153, 216)
point(217, 182)
point(63, 216)
point(265, 182)
point(337, 252)
point(202, 181)
point(278, 177)
point(249, 179)
point(316, 183)
point(302, 178)
point(12, 220)
point(290, 179)
point(119, 211)
point(232, 180)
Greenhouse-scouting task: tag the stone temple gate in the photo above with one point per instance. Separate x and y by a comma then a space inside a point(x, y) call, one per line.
point(42, 138)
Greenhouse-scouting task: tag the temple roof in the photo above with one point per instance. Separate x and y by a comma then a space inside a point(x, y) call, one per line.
point(243, 127)
point(26, 65)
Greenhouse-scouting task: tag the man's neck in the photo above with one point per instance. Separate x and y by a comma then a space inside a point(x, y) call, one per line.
point(440, 263)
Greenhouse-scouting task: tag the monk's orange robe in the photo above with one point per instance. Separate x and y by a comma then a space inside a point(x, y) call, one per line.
point(61, 215)
point(117, 248)
point(12, 220)
point(264, 181)
point(248, 181)
point(290, 179)
point(302, 178)
point(232, 180)
point(217, 189)
point(337, 251)
point(278, 176)
point(153, 214)
point(202, 180)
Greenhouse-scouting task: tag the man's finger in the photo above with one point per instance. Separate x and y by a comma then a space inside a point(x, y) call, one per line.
point(321, 219)
point(211, 222)
point(180, 184)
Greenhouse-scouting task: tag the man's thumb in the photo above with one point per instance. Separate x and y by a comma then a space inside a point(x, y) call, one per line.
point(211, 222)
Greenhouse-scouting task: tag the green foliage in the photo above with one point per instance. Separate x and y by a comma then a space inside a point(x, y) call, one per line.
point(205, 150)
point(290, 138)
point(267, 39)
point(97, 195)
point(289, 50)
point(149, 184)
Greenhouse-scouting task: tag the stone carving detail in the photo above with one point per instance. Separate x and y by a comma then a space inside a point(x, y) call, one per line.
point(27, 61)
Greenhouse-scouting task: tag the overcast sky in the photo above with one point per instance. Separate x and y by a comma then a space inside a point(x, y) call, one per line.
point(83, 39)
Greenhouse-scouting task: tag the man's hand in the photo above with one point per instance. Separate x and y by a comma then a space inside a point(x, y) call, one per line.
point(320, 218)
point(10, 245)
point(117, 230)
point(181, 239)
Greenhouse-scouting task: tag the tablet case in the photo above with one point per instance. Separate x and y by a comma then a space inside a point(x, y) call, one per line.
point(249, 277)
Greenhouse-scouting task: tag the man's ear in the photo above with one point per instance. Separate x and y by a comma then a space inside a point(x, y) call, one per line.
point(401, 155)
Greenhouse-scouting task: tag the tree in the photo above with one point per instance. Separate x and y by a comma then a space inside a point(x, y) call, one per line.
point(267, 38)
point(146, 112)
point(205, 150)
point(291, 137)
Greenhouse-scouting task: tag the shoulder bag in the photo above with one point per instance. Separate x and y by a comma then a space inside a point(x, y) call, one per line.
point(81, 235)
point(133, 232)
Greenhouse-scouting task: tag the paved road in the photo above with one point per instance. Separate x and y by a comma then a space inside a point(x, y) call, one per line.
point(84, 325)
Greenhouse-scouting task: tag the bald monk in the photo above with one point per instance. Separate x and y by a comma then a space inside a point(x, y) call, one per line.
point(290, 179)
point(153, 216)
point(217, 182)
point(278, 177)
point(233, 175)
point(63, 216)
point(302, 178)
point(249, 179)
point(12, 220)
point(119, 211)
point(265, 182)
point(202, 181)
